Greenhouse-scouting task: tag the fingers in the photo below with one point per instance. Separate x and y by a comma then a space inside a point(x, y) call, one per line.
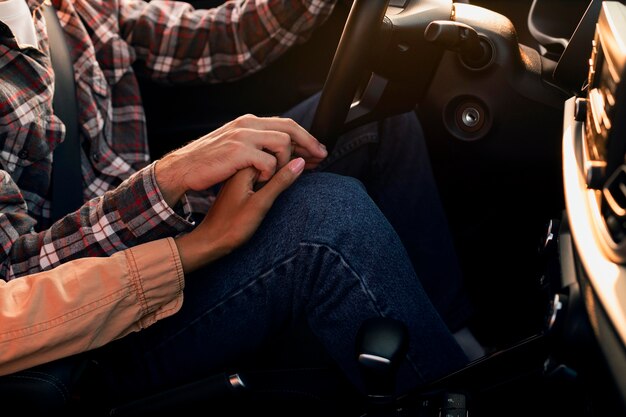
point(276, 143)
point(312, 163)
point(265, 162)
point(305, 144)
point(265, 197)
point(240, 185)
point(266, 144)
point(307, 154)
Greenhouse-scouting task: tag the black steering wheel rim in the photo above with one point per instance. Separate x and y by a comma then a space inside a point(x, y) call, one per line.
point(352, 53)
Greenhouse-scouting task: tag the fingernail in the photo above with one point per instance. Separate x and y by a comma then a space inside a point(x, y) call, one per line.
point(296, 165)
point(323, 148)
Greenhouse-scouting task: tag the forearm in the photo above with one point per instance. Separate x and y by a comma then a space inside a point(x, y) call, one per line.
point(221, 44)
point(133, 213)
point(87, 303)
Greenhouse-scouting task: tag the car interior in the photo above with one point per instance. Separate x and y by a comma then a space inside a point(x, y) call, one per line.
point(521, 106)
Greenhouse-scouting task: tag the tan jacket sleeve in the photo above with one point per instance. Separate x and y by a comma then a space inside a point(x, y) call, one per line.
point(87, 303)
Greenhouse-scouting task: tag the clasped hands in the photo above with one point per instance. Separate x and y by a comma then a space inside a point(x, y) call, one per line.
point(242, 153)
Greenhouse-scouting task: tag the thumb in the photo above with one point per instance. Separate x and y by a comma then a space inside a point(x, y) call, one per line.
point(279, 182)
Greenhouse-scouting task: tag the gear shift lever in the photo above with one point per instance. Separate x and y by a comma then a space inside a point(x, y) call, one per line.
point(381, 344)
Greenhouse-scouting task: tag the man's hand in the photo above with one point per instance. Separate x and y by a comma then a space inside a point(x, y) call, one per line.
point(266, 144)
point(235, 215)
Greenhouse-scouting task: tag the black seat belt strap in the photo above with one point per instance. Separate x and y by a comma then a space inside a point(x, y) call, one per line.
point(67, 183)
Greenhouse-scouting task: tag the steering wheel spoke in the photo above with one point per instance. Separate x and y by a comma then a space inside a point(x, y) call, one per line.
point(351, 56)
point(383, 49)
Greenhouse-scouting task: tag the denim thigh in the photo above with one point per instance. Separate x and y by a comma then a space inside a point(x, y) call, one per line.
point(324, 254)
point(391, 158)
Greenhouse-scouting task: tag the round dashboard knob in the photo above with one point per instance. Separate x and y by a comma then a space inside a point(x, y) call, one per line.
point(580, 110)
point(595, 173)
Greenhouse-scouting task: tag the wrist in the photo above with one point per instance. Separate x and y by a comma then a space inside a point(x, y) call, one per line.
point(170, 187)
point(195, 251)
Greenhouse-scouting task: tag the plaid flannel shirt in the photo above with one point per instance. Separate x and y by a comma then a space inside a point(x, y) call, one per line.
point(177, 44)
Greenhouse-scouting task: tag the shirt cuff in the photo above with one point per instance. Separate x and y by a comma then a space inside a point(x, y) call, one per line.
point(157, 273)
point(145, 212)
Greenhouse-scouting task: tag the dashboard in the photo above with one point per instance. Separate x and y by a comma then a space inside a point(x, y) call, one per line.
point(593, 246)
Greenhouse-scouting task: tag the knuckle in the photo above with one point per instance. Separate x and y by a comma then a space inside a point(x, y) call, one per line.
point(285, 138)
point(262, 205)
point(285, 176)
point(237, 135)
point(272, 163)
point(248, 117)
point(244, 119)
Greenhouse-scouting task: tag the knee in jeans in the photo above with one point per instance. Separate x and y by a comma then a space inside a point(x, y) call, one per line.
point(336, 201)
point(329, 189)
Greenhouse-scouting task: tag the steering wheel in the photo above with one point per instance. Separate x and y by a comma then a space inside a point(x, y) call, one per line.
point(354, 48)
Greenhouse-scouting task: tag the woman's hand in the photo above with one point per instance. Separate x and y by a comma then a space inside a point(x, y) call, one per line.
point(235, 215)
point(266, 144)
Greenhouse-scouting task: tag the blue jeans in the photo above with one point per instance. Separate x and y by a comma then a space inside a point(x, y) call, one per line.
point(326, 255)
point(392, 161)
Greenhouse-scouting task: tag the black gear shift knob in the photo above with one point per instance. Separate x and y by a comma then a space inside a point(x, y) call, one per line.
point(381, 344)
